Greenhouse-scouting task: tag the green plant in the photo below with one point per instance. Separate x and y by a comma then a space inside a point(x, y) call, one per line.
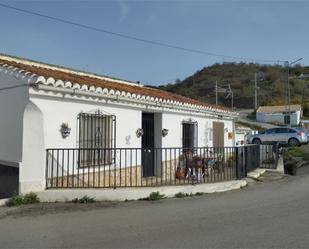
point(199, 193)
point(298, 152)
point(18, 200)
point(181, 195)
point(154, 196)
point(84, 199)
point(31, 198)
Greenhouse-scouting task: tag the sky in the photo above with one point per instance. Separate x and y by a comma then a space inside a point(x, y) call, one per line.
point(259, 30)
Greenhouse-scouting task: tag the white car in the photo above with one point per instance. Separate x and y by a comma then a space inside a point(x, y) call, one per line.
point(281, 135)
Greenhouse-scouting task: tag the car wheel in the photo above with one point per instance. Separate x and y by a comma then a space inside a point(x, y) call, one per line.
point(256, 141)
point(293, 142)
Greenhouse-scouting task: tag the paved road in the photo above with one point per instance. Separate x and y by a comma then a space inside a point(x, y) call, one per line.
point(268, 214)
point(243, 113)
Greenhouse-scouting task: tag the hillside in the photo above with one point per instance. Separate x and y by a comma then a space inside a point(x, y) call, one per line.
point(271, 91)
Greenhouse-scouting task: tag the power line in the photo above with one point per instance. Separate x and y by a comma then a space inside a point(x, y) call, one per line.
point(157, 43)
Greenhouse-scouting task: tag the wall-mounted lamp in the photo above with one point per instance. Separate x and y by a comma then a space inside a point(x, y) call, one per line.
point(139, 132)
point(65, 130)
point(164, 132)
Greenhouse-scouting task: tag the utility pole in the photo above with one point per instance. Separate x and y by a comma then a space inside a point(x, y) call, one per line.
point(216, 93)
point(255, 92)
point(288, 93)
point(232, 95)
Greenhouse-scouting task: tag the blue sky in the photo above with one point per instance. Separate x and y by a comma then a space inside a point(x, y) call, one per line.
point(276, 30)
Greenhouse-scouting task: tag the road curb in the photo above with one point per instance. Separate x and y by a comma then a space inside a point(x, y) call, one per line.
point(122, 194)
point(3, 201)
point(255, 174)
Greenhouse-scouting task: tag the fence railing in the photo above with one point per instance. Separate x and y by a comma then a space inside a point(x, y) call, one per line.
point(269, 156)
point(143, 167)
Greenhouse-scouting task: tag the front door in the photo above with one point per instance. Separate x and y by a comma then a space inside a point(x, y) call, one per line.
point(148, 144)
point(218, 134)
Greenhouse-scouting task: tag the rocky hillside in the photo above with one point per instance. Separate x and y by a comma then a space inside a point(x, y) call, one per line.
point(272, 84)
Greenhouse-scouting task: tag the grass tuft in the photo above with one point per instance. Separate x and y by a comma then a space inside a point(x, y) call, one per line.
point(154, 196)
point(84, 199)
point(18, 200)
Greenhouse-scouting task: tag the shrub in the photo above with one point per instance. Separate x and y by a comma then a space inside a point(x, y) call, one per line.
point(154, 196)
point(31, 198)
point(18, 200)
point(181, 195)
point(84, 199)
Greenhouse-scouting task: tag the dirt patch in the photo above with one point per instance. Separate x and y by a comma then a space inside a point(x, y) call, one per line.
point(269, 176)
point(52, 208)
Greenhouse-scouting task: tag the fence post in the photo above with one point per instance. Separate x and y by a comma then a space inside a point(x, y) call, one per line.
point(46, 170)
point(238, 177)
point(246, 154)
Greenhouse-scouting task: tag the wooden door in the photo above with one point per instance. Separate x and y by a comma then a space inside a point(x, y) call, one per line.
point(218, 134)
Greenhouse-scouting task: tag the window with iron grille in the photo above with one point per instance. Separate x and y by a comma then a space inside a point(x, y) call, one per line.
point(96, 139)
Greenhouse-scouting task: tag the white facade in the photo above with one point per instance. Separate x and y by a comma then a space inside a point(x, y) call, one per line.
point(31, 116)
point(278, 117)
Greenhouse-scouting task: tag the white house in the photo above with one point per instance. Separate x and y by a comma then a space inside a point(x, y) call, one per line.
point(44, 106)
point(290, 114)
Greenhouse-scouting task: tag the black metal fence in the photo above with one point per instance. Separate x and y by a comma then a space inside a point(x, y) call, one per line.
point(127, 167)
point(269, 156)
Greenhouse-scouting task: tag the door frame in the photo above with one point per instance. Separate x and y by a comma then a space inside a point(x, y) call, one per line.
point(219, 137)
point(147, 145)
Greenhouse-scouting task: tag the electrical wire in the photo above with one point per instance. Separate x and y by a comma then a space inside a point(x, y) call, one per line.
point(125, 36)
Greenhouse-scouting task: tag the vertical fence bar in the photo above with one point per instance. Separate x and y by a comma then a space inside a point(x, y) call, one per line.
point(73, 166)
point(46, 169)
point(68, 167)
point(57, 168)
point(52, 169)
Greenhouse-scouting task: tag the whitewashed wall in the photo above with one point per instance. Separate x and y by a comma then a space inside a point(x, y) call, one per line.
point(48, 113)
point(12, 104)
point(173, 122)
point(278, 118)
point(32, 167)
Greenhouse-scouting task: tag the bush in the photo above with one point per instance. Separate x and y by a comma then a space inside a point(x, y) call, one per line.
point(18, 200)
point(31, 198)
point(154, 196)
point(84, 199)
point(181, 195)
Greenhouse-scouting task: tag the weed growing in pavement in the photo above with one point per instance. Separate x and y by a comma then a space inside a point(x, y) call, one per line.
point(154, 196)
point(84, 199)
point(18, 200)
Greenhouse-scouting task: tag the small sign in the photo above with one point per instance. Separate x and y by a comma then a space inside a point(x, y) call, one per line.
point(230, 135)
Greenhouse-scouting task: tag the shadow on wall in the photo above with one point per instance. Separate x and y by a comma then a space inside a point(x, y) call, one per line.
point(9, 181)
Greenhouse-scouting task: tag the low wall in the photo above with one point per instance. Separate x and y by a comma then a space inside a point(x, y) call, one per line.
point(122, 194)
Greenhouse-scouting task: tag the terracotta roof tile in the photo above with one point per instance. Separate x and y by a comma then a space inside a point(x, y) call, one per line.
point(278, 108)
point(93, 80)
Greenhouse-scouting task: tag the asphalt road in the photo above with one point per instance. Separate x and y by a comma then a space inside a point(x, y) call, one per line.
point(273, 213)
